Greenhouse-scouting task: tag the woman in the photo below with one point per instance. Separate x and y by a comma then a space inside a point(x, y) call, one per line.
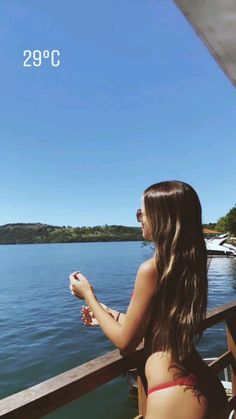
point(167, 308)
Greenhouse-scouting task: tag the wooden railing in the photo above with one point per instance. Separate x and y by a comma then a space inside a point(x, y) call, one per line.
point(49, 395)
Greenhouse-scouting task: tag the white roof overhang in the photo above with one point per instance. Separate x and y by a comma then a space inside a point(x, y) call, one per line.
point(215, 23)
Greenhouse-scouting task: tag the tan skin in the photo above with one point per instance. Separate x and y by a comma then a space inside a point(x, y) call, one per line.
point(175, 402)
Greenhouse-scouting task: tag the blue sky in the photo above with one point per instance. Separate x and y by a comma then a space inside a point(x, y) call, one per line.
point(136, 99)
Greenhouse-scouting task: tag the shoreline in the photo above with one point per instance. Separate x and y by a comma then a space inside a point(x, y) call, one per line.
point(76, 242)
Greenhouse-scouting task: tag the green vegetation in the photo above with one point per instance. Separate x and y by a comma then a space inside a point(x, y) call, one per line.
point(228, 222)
point(43, 233)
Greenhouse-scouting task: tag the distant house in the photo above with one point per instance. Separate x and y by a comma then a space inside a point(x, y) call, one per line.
point(210, 232)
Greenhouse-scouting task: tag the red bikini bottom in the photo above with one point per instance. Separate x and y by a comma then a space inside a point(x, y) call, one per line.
point(186, 381)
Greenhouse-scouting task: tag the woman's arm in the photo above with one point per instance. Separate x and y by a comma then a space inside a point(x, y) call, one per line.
point(89, 319)
point(125, 336)
point(117, 315)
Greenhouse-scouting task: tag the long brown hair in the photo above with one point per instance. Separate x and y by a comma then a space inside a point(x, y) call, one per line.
point(179, 302)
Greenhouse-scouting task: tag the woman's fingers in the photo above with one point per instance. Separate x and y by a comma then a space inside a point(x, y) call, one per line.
point(71, 290)
point(86, 313)
point(86, 317)
point(77, 276)
point(87, 321)
point(73, 277)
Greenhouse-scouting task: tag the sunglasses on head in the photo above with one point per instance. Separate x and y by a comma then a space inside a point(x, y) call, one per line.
point(139, 215)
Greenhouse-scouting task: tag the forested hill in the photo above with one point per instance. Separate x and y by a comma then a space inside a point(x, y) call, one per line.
point(43, 233)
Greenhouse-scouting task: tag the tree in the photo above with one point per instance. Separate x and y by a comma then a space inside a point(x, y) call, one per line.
point(232, 220)
point(222, 224)
point(228, 222)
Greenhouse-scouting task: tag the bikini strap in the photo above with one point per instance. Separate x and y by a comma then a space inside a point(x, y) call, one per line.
point(186, 381)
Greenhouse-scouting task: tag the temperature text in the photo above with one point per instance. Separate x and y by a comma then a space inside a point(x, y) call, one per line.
point(37, 58)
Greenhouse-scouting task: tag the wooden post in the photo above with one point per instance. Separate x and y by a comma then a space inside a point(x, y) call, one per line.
point(141, 397)
point(231, 339)
point(142, 389)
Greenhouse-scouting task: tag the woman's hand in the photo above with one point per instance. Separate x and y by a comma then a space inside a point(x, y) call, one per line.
point(88, 317)
point(79, 285)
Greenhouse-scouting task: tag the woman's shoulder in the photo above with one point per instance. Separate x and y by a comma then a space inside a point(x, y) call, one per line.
point(148, 267)
point(147, 273)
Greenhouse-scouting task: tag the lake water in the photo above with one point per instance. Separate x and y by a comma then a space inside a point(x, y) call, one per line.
point(41, 331)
